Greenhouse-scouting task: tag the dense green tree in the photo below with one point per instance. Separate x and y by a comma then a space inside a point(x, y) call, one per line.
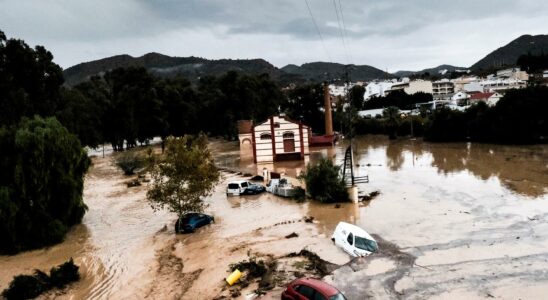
point(305, 103)
point(81, 115)
point(392, 120)
point(356, 97)
point(41, 183)
point(29, 81)
point(400, 99)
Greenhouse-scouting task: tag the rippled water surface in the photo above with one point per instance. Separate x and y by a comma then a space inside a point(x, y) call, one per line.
point(474, 217)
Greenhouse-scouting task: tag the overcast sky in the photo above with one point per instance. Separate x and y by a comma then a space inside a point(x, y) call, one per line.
point(387, 34)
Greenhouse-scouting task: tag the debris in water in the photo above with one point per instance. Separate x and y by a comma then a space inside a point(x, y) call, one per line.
point(292, 235)
point(370, 196)
point(309, 219)
point(133, 183)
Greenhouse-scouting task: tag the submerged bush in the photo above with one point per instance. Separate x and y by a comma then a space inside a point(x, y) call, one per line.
point(130, 161)
point(31, 286)
point(325, 183)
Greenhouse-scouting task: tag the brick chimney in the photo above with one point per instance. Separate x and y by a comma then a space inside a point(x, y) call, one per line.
point(327, 104)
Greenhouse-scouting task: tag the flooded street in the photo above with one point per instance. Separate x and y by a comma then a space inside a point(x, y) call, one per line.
point(453, 220)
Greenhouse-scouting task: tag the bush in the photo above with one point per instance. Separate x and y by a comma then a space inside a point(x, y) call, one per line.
point(130, 161)
point(325, 183)
point(31, 286)
point(27, 286)
point(63, 274)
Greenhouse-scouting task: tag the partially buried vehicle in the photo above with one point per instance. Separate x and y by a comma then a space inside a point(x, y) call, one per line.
point(191, 221)
point(310, 288)
point(354, 240)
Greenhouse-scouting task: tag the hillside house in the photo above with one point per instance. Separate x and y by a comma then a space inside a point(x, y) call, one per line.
point(490, 98)
point(276, 139)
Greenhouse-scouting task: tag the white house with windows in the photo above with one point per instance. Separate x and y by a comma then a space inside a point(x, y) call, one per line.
point(277, 139)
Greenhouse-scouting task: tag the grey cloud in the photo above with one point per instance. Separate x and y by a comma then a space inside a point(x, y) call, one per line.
point(380, 32)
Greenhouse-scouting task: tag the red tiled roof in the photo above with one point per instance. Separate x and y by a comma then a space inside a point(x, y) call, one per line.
point(480, 96)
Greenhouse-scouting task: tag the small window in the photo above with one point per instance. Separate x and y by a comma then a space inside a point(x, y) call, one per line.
point(276, 125)
point(306, 291)
point(244, 184)
point(350, 239)
point(266, 136)
point(233, 186)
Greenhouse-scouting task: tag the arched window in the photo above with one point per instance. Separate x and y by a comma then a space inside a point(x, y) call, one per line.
point(266, 136)
point(288, 135)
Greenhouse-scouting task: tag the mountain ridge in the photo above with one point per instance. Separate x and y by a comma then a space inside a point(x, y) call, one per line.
point(194, 67)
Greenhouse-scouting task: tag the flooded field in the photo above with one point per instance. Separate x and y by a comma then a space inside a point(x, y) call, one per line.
point(454, 220)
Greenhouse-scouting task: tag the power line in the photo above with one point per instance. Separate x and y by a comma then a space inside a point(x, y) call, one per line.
point(339, 25)
point(344, 29)
point(318, 30)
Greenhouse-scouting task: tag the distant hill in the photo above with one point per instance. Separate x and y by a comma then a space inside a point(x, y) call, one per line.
point(167, 66)
point(509, 54)
point(195, 67)
point(431, 71)
point(321, 71)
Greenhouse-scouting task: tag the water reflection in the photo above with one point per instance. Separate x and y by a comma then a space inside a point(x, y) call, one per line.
point(394, 155)
point(521, 169)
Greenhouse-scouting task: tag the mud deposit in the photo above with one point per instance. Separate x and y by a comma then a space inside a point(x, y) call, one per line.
point(457, 221)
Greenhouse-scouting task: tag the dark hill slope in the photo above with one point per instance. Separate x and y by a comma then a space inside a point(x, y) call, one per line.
point(509, 54)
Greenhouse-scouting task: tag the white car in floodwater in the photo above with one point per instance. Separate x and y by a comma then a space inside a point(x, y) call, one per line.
point(354, 240)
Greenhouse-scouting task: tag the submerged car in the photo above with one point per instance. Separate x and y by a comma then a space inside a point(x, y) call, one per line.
point(243, 187)
point(309, 288)
point(354, 240)
point(191, 221)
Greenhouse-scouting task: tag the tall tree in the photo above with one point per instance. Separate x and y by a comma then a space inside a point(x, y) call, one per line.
point(305, 103)
point(392, 121)
point(184, 176)
point(29, 81)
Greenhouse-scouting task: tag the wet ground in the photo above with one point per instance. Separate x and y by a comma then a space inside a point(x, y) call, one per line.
point(453, 221)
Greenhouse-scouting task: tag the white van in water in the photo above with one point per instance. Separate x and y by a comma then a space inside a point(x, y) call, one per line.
point(354, 240)
point(236, 187)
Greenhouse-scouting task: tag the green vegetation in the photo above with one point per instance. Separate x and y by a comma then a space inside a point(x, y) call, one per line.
point(304, 103)
point(31, 286)
point(42, 164)
point(518, 118)
point(41, 183)
point(399, 99)
point(184, 176)
point(324, 182)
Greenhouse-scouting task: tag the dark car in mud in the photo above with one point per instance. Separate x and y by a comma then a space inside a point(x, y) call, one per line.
point(253, 189)
point(311, 289)
point(191, 221)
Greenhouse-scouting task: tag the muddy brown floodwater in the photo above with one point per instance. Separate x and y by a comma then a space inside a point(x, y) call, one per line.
point(453, 221)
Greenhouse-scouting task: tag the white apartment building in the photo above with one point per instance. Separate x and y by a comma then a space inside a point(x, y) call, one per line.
point(377, 89)
point(443, 89)
point(501, 85)
point(513, 73)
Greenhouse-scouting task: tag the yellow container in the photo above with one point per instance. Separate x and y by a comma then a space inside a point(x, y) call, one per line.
point(232, 278)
